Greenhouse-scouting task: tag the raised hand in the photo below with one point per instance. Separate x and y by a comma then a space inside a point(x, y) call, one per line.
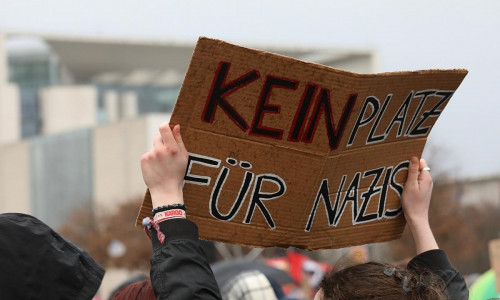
point(164, 166)
point(416, 199)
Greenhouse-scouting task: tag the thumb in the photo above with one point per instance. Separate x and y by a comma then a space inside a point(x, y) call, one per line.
point(178, 138)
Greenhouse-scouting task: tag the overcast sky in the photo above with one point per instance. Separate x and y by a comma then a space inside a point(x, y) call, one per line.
point(408, 35)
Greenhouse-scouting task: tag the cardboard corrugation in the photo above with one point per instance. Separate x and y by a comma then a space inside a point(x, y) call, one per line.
point(303, 164)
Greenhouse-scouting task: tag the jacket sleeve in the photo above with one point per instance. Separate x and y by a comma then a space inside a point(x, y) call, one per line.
point(179, 267)
point(438, 263)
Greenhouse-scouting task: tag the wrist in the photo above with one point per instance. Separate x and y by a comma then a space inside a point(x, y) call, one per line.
point(417, 221)
point(166, 198)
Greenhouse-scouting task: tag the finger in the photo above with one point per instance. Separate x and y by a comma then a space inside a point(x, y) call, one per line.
point(166, 134)
point(413, 170)
point(423, 174)
point(157, 141)
point(146, 156)
point(178, 138)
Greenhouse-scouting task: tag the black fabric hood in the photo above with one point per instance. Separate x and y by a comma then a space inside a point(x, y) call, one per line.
point(37, 263)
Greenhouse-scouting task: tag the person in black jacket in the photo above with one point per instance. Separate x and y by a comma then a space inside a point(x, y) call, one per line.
point(179, 268)
point(429, 275)
point(38, 263)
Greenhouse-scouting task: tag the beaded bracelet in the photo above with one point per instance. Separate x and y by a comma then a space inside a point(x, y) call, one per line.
point(168, 207)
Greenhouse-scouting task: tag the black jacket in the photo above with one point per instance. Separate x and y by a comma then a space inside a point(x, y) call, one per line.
point(437, 261)
point(38, 263)
point(179, 267)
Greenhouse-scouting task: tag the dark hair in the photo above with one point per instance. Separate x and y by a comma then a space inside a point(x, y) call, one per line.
point(142, 290)
point(381, 281)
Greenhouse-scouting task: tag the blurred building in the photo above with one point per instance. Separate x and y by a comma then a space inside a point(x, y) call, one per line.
point(77, 113)
point(483, 190)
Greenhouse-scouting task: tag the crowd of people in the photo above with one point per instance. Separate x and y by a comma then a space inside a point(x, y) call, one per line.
point(37, 263)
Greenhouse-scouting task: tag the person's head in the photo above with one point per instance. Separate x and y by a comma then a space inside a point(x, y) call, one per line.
point(137, 290)
point(380, 281)
point(39, 263)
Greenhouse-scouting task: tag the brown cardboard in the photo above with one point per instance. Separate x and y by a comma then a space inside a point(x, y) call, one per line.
point(361, 161)
point(494, 247)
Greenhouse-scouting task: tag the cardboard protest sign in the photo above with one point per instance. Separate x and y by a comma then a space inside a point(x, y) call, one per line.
point(289, 153)
point(494, 247)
